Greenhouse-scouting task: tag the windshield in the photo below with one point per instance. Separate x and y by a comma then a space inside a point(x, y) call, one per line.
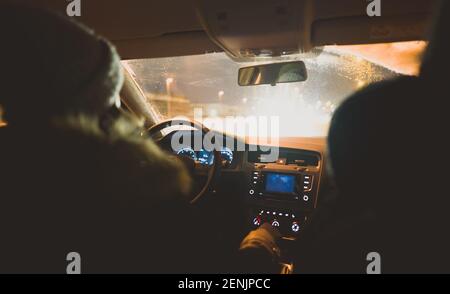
point(206, 85)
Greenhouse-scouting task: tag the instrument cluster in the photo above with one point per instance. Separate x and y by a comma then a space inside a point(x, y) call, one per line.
point(206, 157)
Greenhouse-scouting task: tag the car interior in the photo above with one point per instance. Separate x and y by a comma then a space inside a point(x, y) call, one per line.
point(325, 124)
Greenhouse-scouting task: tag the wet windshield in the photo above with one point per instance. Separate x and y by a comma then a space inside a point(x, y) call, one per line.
point(207, 85)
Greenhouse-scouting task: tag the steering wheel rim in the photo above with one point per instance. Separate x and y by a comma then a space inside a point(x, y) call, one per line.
point(214, 169)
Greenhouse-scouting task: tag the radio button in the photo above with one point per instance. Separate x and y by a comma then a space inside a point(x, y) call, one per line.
point(275, 223)
point(307, 183)
point(251, 192)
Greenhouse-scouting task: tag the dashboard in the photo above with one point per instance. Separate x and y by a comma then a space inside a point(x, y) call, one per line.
point(282, 191)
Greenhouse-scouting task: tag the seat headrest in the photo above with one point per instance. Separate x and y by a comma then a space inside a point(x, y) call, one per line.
point(370, 131)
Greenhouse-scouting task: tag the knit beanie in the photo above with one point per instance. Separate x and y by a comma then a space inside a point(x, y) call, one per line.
point(52, 66)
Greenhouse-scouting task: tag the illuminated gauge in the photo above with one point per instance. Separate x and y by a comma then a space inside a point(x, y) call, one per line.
point(188, 152)
point(205, 157)
point(227, 155)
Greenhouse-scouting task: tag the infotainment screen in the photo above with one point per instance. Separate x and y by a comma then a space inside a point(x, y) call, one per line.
point(280, 183)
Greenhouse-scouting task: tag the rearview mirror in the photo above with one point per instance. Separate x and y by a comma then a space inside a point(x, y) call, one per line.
point(272, 74)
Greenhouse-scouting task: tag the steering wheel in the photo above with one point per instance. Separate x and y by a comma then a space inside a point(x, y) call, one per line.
point(213, 170)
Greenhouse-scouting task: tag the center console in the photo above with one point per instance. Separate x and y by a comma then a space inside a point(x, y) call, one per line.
point(284, 193)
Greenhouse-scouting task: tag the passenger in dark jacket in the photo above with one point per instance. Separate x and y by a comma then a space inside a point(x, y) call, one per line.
point(382, 141)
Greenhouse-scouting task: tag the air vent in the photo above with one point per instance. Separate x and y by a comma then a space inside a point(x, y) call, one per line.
point(292, 156)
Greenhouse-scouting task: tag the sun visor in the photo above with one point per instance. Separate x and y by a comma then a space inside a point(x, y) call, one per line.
point(258, 28)
point(362, 30)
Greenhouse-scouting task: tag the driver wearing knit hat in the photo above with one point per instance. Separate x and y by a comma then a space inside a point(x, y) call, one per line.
point(54, 66)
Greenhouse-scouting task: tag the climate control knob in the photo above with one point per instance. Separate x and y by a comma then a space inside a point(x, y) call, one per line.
point(257, 221)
